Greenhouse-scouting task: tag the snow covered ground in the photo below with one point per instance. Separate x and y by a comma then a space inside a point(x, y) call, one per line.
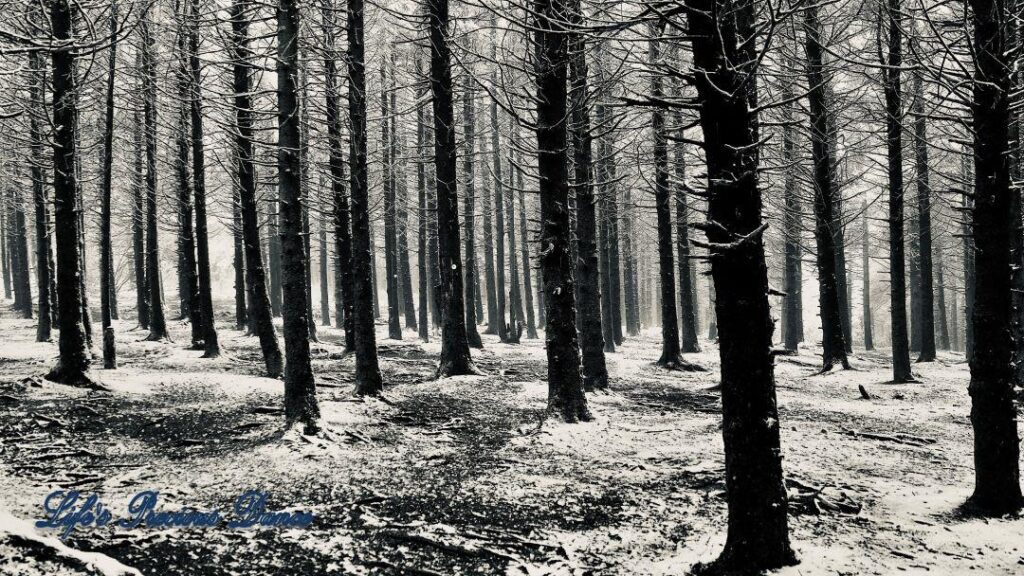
point(466, 476)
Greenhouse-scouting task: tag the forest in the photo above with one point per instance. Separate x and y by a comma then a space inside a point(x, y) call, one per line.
point(518, 287)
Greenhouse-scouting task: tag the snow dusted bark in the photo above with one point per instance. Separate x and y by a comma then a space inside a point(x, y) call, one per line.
point(74, 360)
point(825, 199)
point(368, 377)
point(299, 392)
point(211, 345)
point(455, 357)
point(565, 385)
point(157, 320)
point(897, 276)
point(259, 301)
point(993, 415)
point(758, 534)
point(469, 206)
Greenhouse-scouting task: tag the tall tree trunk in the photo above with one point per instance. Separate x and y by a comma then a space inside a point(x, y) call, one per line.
point(469, 206)
point(524, 250)
point(687, 314)
point(44, 270)
point(188, 280)
point(793, 316)
point(157, 321)
point(325, 290)
point(402, 213)
point(368, 377)
point(106, 251)
point(274, 254)
point(993, 415)
point(825, 200)
point(390, 234)
point(499, 223)
point(924, 224)
point(336, 162)
point(211, 345)
point(4, 255)
point(455, 356)
point(940, 305)
point(629, 267)
point(422, 217)
point(515, 300)
point(74, 360)
point(897, 278)
point(299, 390)
point(241, 316)
point(259, 301)
point(758, 535)
point(869, 338)
point(663, 206)
point(138, 221)
point(565, 386)
point(595, 372)
point(967, 226)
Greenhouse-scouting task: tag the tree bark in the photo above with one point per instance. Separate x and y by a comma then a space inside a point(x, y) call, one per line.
point(663, 203)
point(825, 200)
point(211, 345)
point(469, 201)
point(897, 278)
point(455, 357)
point(368, 377)
point(74, 360)
point(260, 311)
point(157, 321)
point(390, 233)
point(758, 535)
point(993, 415)
point(565, 386)
point(595, 372)
point(299, 390)
point(44, 270)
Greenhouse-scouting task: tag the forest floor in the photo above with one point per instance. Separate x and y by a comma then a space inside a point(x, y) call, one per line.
point(466, 476)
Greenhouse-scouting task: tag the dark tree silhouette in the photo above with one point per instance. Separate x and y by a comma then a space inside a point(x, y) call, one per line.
point(368, 378)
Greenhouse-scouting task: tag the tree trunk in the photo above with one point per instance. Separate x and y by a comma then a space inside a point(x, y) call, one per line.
point(524, 250)
point(260, 311)
point(336, 162)
point(687, 314)
point(325, 289)
point(663, 206)
point(825, 200)
point(469, 141)
point(423, 218)
point(455, 356)
point(299, 391)
point(969, 254)
point(157, 321)
point(993, 415)
point(565, 386)
point(390, 234)
point(924, 224)
point(869, 338)
point(499, 222)
point(138, 221)
point(793, 314)
point(402, 213)
point(897, 279)
point(595, 372)
point(368, 377)
point(106, 251)
point(74, 360)
point(940, 306)
point(188, 280)
point(241, 316)
point(758, 535)
point(44, 270)
point(211, 345)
